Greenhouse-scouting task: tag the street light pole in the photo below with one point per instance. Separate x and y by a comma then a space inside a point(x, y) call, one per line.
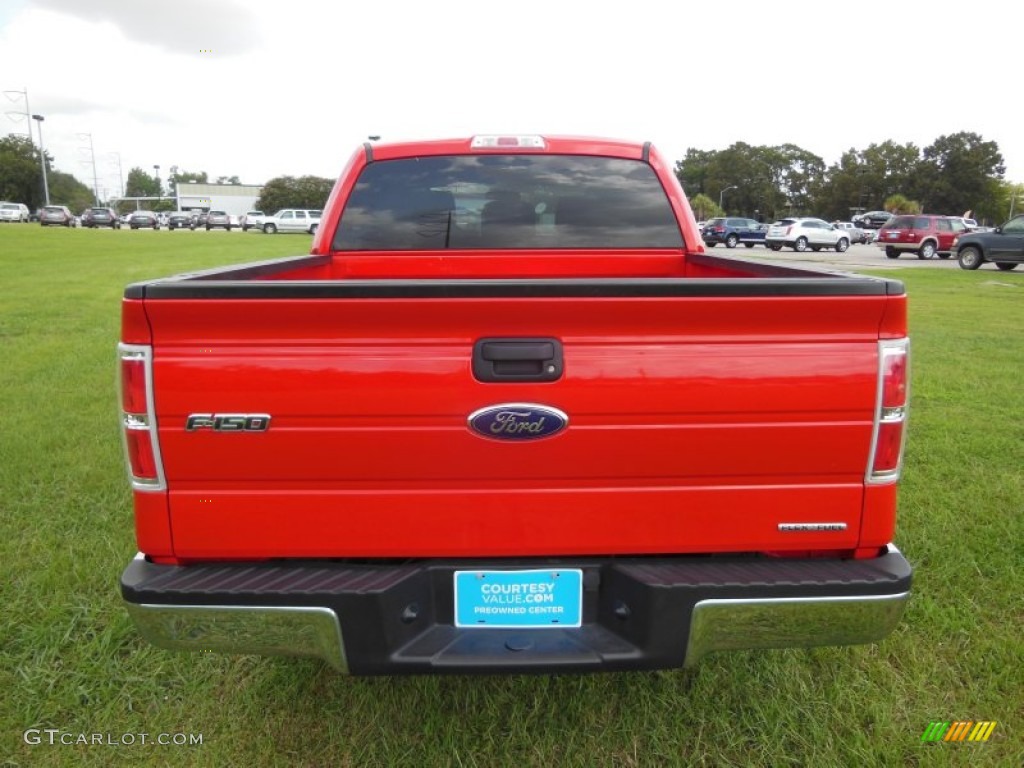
point(721, 195)
point(159, 191)
point(1013, 199)
point(42, 157)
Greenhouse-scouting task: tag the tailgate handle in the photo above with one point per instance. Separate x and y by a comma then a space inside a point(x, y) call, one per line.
point(517, 359)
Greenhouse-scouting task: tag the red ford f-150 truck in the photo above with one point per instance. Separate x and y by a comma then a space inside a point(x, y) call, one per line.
point(509, 416)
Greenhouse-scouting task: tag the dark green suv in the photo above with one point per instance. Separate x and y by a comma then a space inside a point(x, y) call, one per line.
point(1003, 245)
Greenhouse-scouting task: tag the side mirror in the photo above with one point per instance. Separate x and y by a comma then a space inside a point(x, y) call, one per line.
point(998, 230)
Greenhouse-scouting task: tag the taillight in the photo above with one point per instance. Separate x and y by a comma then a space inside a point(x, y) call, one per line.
point(138, 417)
point(889, 433)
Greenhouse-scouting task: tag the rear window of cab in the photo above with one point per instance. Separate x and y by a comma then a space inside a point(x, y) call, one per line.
point(507, 201)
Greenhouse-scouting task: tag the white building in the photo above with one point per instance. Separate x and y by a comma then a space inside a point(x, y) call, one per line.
point(233, 199)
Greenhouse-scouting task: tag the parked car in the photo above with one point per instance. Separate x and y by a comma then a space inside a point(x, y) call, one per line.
point(180, 220)
point(293, 220)
point(856, 234)
point(144, 219)
point(252, 220)
point(14, 212)
point(58, 215)
point(1003, 245)
point(732, 231)
point(100, 217)
point(201, 218)
point(218, 219)
point(972, 225)
point(802, 234)
point(872, 219)
point(923, 234)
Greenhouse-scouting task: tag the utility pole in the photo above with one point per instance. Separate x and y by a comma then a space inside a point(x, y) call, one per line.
point(120, 173)
point(27, 113)
point(92, 153)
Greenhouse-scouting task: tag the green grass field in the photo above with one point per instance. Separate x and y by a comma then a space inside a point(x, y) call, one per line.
point(70, 659)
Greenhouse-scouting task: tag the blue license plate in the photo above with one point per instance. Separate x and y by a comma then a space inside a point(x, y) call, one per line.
point(531, 599)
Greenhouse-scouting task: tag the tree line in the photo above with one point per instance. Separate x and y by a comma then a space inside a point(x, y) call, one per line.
point(280, 192)
point(955, 174)
point(21, 178)
point(21, 181)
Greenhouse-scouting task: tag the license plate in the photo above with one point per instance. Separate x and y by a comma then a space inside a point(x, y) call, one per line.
point(531, 599)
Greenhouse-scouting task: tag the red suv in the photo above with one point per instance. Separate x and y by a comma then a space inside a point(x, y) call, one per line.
point(921, 234)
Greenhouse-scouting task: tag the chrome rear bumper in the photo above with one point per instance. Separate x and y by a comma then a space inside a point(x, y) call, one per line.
point(642, 613)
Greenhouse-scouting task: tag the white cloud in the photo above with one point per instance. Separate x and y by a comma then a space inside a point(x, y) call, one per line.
point(294, 87)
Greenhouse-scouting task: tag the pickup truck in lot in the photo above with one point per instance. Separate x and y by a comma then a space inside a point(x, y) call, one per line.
point(508, 416)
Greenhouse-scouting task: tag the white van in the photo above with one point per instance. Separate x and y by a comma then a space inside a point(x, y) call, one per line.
point(14, 212)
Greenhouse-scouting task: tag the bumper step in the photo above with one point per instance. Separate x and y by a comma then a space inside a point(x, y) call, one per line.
point(638, 613)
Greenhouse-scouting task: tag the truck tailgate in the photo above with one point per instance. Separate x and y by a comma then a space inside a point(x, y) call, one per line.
point(695, 424)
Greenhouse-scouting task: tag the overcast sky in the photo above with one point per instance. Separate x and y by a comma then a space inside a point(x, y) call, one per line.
point(259, 89)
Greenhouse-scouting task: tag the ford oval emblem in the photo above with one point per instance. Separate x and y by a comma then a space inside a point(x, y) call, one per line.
point(518, 421)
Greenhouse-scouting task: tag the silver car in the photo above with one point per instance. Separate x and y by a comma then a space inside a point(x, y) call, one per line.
point(57, 215)
point(856, 234)
point(252, 220)
point(802, 234)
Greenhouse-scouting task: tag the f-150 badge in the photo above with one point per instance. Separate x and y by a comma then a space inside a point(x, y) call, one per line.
point(518, 421)
point(228, 422)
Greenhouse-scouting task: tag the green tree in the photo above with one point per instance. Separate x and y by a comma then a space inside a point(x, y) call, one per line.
point(747, 170)
point(186, 177)
point(900, 204)
point(291, 192)
point(891, 169)
point(754, 181)
point(141, 184)
point(65, 189)
point(802, 174)
point(955, 174)
point(960, 172)
point(1010, 202)
point(692, 171)
point(843, 196)
point(21, 179)
point(227, 180)
point(704, 207)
